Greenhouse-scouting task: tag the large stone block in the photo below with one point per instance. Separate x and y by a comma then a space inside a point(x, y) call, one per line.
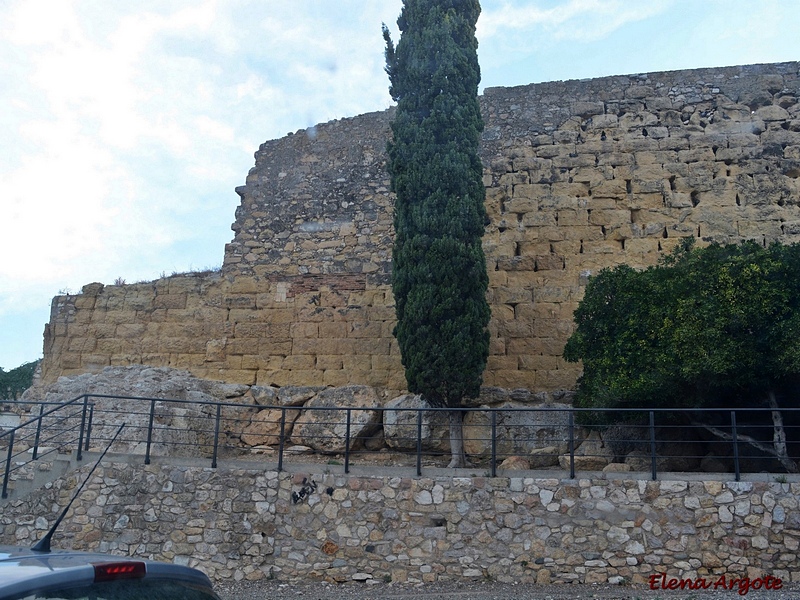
point(408, 417)
point(518, 431)
point(592, 455)
point(170, 301)
point(326, 430)
point(511, 379)
point(558, 379)
point(265, 427)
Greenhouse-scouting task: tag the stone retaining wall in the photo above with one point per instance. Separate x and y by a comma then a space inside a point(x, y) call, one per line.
point(245, 522)
point(580, 175)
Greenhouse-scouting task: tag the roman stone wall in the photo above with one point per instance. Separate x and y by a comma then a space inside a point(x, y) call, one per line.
point(287, 330)
point(580, 175)
point(252, 522)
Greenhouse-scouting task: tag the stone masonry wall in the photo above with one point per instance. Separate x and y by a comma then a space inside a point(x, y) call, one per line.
point(252, 523)
point(580, 175)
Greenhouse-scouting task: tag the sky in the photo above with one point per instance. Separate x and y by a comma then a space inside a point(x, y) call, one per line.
point(126, 126)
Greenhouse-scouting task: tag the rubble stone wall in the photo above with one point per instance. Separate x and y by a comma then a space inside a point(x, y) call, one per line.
point(254, 523)
point(580, 175)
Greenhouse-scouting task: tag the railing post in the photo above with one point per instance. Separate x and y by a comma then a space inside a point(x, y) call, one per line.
point(216, 437)
point(150, 431)
point(347, 444)
point(280, 440)
point(8, 463)
point(735, 446)
point(653, 461)
point(83, 425)
point(419, 442)
point(38, 433)
point(494, 442)
point(571, 444)
point(89, 427)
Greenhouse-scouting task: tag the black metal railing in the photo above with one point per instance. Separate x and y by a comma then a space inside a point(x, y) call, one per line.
point(59, 427)
point(551, 437)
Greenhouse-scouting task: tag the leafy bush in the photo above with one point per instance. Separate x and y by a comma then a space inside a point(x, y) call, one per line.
point(713, 326)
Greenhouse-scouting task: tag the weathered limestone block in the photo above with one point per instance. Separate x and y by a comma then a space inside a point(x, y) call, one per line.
point(772, 113)
point(515, 463)
point(186, 420)
point(517, 432)
point(400, 424)
point(297, 395)
point(265, 427)
point(215, 350)
point(592, 455)
point(542, 458)
point(603, 121)
point(325, 430)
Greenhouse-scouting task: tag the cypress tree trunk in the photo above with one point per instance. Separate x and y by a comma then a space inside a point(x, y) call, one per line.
point(439, 274)
point(779, 435)
point(459, 456)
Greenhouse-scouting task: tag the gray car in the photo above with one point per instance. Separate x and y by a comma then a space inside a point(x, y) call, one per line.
point(69, 575)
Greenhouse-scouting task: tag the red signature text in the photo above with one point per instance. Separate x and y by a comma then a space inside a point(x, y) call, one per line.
point(660, 581)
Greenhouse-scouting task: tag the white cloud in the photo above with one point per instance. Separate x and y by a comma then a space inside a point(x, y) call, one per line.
point(583, 20)
point(254, 88)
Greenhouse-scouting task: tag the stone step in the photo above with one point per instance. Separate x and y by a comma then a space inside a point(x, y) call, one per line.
point(34, 475)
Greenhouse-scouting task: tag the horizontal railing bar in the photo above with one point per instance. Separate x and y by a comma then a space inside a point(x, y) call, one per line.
point(44, 414)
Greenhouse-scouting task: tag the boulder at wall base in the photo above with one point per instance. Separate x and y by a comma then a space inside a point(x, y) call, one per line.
point(326, 430)
point(297, 395)
point(264, 395)
point(515, 463)
point(642, 461)
point(541, 458)
point(592, 455)
point(180, 428)
point(265, 427)
point(617, 468)
point(681, 455)
point(519, 431)
point(400, 424)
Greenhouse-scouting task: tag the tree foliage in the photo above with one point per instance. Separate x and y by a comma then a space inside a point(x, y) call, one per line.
point(16, 381)
point(711, 327)
point(439, 275)
point(706, 326)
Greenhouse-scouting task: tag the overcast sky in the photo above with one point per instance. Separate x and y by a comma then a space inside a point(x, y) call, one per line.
point(126, 126)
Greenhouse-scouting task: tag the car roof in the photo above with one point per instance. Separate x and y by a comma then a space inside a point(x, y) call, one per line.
point(22, 569)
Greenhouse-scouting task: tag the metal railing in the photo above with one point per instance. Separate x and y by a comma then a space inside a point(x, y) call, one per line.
point(656, 440)
point(58, 427)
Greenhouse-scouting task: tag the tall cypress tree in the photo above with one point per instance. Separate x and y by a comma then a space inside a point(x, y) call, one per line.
point(439, 275)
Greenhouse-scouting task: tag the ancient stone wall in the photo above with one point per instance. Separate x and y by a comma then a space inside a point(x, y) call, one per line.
point(250, 522)
point(580, 175)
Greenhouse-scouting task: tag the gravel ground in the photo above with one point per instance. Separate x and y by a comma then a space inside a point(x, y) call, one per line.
point(275, 590)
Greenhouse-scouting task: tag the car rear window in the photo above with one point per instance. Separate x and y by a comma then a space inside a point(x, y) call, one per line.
point(128, 590)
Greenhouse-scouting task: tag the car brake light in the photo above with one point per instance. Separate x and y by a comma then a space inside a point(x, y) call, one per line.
point(119, 570)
